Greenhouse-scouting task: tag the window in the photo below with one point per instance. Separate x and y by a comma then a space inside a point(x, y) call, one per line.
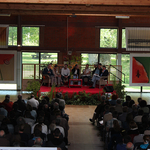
point(31, 58)
point(108, 38)
point(107, 59)
point(12, 39)
point(30, 36)
point(90, 59)
point(123, 38)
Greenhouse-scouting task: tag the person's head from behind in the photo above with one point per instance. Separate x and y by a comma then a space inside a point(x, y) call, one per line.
point(134, 108)
point(128, 98)
point(20, 120)
point(56, 106)
point(143, 103)
point(131, 103)
point(40, 120)
point(146, 139)
point(56, 133)
point(129, 118)
point(21, 128)
point(66, 65)
point(7, 98)
point(32, 96)
point(129, 146)
point(116, 126)
point(2, 133)
point(118, 101)
point(114, 97)
point(38, 141)
point(139, 99)
point(103, 98)
point(52, 127)
point(126, 139)
point(20, 97)
point(133, 125)
point(37, 130)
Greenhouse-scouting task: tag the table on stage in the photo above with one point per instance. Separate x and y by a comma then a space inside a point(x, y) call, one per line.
point(75, 82)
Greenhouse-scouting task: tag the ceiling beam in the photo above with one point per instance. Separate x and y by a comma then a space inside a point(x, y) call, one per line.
point(60, 12)
point(94, 2)
point(43, 9)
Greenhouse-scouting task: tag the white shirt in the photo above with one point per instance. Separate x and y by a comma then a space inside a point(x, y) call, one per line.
point(33, 102)
point(44, 128)
point(65, 72)
point(87, 71)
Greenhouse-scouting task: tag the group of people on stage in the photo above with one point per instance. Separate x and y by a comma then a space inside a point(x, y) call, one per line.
point(59, 78)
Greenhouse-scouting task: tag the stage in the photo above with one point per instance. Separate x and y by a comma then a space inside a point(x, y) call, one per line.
point(72, 90)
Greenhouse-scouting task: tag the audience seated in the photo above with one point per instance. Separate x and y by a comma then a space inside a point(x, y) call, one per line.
point(118, 106)
point(143, 106)
point(33, 102)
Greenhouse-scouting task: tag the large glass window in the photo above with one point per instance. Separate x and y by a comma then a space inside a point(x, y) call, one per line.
point(30, 58)
point(107, 59)
point(123, 38)
point(30, 36)
point(12, 39)
point(90, 59)
point(108, 38)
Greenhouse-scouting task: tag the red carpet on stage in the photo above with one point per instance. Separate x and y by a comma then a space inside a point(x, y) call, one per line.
point(72, 90)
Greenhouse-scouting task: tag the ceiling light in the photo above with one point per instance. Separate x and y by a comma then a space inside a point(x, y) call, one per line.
point(122, 17)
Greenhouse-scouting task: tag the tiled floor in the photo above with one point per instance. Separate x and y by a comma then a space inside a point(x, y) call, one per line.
point(82, 134)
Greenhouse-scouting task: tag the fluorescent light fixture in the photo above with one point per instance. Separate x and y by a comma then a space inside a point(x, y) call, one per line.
point(122, 17)
point(7, 15)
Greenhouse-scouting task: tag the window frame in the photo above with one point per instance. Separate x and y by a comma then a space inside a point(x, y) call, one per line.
point(22, 35)
point(116, 37)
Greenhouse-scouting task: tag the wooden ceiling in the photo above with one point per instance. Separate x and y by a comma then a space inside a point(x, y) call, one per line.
point(77, 7)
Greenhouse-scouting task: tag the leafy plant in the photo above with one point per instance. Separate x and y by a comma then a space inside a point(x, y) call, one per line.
point(119, 88)
point(34, 86)
point(52, 93)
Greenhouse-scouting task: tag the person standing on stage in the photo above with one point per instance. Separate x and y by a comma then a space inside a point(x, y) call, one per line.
point(65, 73)
point(49, 72)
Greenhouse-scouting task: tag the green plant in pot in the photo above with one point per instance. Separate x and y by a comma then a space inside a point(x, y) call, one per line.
point(120, 89)
point(34, 86)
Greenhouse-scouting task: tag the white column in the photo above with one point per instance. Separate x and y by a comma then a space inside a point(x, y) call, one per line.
point(119, 64)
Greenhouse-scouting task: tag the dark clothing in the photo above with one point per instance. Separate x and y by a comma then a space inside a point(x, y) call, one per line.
point(73, 71)
point(21, 105)
point(4, 141)
point(24, 137)
point(45, 71)
point(88, 77)
point(105, 73)
point(63, 78)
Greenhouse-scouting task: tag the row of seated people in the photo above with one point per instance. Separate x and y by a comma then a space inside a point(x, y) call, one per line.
point(58, 79)
point(120, 123)
point(33, 124)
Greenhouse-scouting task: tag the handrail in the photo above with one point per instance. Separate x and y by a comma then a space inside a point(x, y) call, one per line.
point(117, 69)
point(117, 77)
